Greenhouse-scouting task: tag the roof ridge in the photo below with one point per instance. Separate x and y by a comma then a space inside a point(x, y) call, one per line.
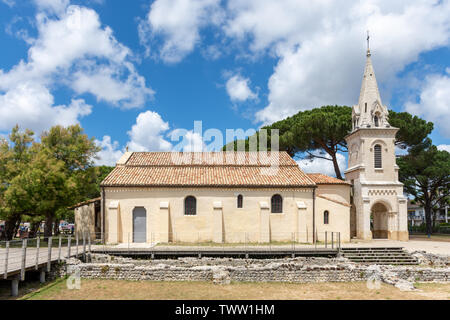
point(208, 165)
point(335, 201)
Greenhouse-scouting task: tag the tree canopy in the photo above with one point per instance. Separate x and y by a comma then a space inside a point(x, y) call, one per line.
point(40, 180)
point(425, 173)
point(320, 132)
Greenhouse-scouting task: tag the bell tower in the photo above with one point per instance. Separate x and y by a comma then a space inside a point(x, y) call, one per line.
point(379, 208)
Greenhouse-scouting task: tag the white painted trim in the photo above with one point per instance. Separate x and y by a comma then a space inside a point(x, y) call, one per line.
point(264, 205)
point(301, 205)
point(113, 205)
point(164, 205)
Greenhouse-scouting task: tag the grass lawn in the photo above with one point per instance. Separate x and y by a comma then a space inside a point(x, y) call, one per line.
point(146, 290)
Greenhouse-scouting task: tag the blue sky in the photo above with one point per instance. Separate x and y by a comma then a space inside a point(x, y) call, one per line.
point(132, 72)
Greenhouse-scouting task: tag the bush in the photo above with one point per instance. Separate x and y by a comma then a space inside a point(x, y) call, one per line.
point(105, 269)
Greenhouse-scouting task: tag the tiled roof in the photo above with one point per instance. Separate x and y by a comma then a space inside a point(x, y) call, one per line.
point(238, 169)
point(85, 203)
point(319, 178)
point(171, 159)
point(335, 201)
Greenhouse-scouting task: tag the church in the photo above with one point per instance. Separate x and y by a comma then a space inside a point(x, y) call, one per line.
point(259, 197)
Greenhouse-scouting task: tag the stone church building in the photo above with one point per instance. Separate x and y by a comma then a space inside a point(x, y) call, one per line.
point(379, 207)
point(237, 197)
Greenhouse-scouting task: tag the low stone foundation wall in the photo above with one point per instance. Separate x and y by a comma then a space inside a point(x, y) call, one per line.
point(298, 270)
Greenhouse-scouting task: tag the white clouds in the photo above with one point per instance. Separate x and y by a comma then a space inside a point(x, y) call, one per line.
point(319, 45)
point(318, 165)
point(74, 50)
point(110, 152)
point(238, 89)
point(434, 104)
point(179, 23)
point(444, 147)
point(52, 6)
point(32, 106)
point(102, 83)
point(322, 62)
point(147, 133)
point(190, 142)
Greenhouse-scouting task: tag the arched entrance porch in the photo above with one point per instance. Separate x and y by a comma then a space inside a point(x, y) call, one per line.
point(379, 221)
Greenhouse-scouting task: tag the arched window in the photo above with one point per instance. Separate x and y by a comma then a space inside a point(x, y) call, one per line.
point(277, 204)
point(365, 107)
point(378, 157)
point(190, 206)
point(376, 120)
point(326, 217)
point(240, 201)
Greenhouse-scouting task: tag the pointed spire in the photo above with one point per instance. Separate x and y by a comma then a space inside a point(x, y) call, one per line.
point(369, 111)
point(369, 89)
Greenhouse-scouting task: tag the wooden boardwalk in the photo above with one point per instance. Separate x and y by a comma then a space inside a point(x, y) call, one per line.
point(16, 261)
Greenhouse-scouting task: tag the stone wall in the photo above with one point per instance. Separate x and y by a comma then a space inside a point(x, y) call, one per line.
point(298, 270)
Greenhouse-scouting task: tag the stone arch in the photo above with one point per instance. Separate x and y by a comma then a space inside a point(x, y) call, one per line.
point(376, 119)
point(379, 219)
point(380, 142)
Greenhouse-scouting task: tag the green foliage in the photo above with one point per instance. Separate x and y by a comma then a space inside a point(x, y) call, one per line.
point(320, 133)
point(92, 178)
point(105, 269)
point(425, 172)
point(14, 156)
point(40, 180)
point(413, 130)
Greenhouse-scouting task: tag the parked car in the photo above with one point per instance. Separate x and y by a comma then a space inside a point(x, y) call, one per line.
point(66, 228)
point(24, 230)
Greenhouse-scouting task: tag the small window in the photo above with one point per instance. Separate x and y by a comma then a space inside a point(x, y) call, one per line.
point(277, 204)
point(378, 157)
point(240, 201)
point(377, 121)
point(366, 107)
point(326, 217)
point(190, 206)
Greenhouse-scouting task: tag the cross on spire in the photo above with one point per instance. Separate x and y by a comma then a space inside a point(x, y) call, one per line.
point(368, 43)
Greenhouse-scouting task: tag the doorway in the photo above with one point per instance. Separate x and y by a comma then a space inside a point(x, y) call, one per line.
point(139, 225)
point(379, 221)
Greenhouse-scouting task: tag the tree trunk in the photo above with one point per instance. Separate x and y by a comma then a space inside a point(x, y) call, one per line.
point(56, 228)
point(428, 219)
point(336, 167)
point(33, 229)
point(48, 230)
point(434, 219)
point(11, 227)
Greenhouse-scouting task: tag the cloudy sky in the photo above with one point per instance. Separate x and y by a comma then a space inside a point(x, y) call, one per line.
point(133, 72)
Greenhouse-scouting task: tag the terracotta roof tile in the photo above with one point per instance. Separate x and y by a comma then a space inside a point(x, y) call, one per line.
point(319, 178)
point(209, 159)
point(238, 169)
point(335, 201)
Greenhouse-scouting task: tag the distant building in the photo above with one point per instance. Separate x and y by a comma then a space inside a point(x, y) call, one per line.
point(416, 215)
point(87, 218)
